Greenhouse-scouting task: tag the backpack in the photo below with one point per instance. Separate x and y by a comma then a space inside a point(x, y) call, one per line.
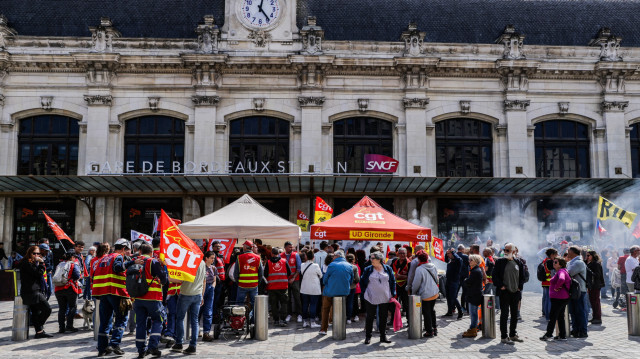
point(137, 285)
point(62, 274)
point(574, 290)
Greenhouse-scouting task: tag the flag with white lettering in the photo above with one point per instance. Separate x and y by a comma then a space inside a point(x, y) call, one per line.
point(135, 235)
point(323, 211)
point(608, 210)
point(303, 221)
point(56, 229)
point(226, 247)
point(181, 255)
point(437, 248)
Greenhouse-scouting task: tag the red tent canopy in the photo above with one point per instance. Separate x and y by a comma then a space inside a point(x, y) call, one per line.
point(367, 221)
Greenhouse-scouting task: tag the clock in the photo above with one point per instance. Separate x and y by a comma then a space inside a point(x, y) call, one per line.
point(260, 14)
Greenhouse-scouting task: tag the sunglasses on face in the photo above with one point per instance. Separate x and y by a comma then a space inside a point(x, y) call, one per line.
point(36, 253)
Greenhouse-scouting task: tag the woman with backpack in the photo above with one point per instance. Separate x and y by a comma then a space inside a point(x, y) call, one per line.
point(67, 288)
point(559, 288)
point(594, 265)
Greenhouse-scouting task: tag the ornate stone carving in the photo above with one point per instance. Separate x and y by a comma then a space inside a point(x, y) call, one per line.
point(208, 35)
point(415, 77)
point(312, 36)
point(501, 130)
point(612, 82)
point(415, 102)
point(154, 103)
point(413, 40)
point(614, 106)
point(102, 35)
point(258, 104)
point(98, 100)
point(260, 38)
point(516, 105)
point(512, 42)
point(563, 108)
point(465, 107)
point(308, 101)
point(516, 80)
point(6, 32)
point(46, 102)
point(205, 74)
point(608, 43)
point(363, 104)
point(205, 100)
point(311, 76)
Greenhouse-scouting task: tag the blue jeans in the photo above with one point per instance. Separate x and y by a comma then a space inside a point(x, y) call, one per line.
point(546, 302)
point(110, 304)
point(309, 305)
point(172, 308)
point(151, 309)
point(577, 311)
point(87, 288)
point(190, 303)
point(207, 308)
point(473, 314)
point(452, 297)
point(242, 295)
point(352, 293)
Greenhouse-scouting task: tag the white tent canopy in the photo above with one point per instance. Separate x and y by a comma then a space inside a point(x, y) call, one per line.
point(245, 218)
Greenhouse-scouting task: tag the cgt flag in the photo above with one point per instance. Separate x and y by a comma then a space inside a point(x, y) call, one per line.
point(323, 211)
point(636, 231)
point(56, 229)
point(437, 248)
point(608, 210)
point(135, 236)
point(303, 221)
point(180, 254)
point(226, 247)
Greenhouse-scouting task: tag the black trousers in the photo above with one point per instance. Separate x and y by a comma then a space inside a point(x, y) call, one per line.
point(556, 313)
point(278, 303)
point(429, 315)
point(509, 306)
point(382, 310)
point(67, 307)
point(40, 312)
point(403, 298)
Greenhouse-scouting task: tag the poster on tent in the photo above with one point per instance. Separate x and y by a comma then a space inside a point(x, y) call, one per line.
point(364, 245)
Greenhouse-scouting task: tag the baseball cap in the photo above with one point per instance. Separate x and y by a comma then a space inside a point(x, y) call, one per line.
point(247, 243)
point(123, 242)
point(44, 247)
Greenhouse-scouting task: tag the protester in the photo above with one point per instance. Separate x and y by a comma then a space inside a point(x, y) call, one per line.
point(67, 293)
point(623, 274)
point(425, 284)
point(630, 264)
point(247, 273)
point(14, 260)
point(206, 310)
point(361, 258)
point(277, 272)
point(293, 259)
point(559, 287)
point(412, 267)
point(508, 277)
point(544, 274)
point(32, 272)
point(336, 280)
point(310, 290)
point(47, 256)
point(189, 302)
point(595, 266)
point(218, 295)
point(473, 284)
point(464, 273)
point(87, 279)
point(616, 281)
point(401, 267)
point(611, 265)
point(636, 279)
point(578, 270)
point(489, 264)
point(454, 267)
point(379, 286)
point(351, 259)
point(321, 255)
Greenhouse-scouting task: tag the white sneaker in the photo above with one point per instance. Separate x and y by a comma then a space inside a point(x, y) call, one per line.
point(305, 324)
point(315, 325)
point(356, 319)
point(288, 319)
point(348, 321)
point(299, 318)
point(322, 332)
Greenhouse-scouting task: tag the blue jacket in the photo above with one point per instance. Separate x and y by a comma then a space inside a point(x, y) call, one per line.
point(337, 279)
point(364, 279)
point(454, 267)
point(464, 271)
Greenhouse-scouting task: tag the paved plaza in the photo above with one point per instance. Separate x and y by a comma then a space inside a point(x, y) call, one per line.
point(609, 340)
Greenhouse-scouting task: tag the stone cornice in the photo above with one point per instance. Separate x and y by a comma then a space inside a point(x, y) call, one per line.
point(98, 100)
point(516, 105)
point(420, 103)
point(308, 101)
point(205, 100)
point(614, 106)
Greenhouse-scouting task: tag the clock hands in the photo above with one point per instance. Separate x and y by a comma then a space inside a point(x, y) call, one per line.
point(262, 11)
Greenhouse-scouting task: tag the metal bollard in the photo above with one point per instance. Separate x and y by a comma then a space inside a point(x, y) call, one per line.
point(488, 316)
point(187, 328)
point(261, 317)
point(96, 317)
point(567, 323)
point(339, 318)
point(20, 329)
point(633, 314)
point(415, 317)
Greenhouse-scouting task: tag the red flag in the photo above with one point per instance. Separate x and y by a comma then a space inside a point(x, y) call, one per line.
point(437, 248)
point(56, 229)
point(323, 211)
point(226, 247)
point(181, 255)
point(636, 231)
point(388, 250)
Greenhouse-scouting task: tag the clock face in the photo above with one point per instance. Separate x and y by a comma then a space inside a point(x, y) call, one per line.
point(260, 14)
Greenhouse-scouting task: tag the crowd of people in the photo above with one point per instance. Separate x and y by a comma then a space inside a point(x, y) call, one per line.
point(301, 283)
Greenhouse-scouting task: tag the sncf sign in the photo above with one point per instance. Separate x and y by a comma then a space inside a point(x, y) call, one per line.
point(380, 164)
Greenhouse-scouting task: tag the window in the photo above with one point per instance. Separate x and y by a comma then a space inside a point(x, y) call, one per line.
point(355, 137)
point(154, 144)
point(464, 148)
point(48, 145)
point(139, 214)
point(259, 144)
point(562, 149)
point(635, 150)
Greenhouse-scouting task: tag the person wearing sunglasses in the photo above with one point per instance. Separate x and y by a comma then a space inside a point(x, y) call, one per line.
point(32, 271)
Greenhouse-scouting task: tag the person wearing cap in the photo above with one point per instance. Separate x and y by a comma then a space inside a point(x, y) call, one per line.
point(293, 259)
point(248, 273)
point(109, 284)
point(47, 256)
point(67, 295)
point(78, 258)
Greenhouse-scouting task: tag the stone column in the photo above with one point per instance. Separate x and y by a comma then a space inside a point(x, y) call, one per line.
point(8, 142)
point(97, 125)
point(517, 144)
point(414, 146)
point(6, 223)
point(204, 134)
point(311, 133)
point(616, 140)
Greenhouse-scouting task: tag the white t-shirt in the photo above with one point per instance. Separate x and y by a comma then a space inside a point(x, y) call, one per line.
point(630, 264)
point(310, 284)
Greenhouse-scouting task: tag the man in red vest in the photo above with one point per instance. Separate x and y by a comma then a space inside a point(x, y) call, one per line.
point(544, 273)
point(277, 272)
point(293, 259)
point(401, 267)
point(247, 273)
point(67, 294)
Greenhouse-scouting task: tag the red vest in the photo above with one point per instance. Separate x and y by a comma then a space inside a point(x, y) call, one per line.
point(248, 268)
point(220, 268)
point(292, 262)
point(105, 281)
point(547, 274)
point(277, 278)
point(404, 271)
point(155, 288)
point(71, 283)
point(490, 277)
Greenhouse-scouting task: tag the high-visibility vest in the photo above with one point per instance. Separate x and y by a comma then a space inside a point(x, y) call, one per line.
point(547, 274)
point(277, 277)
point(249, 265)
point(155, 288)
point(105, 281)
point(75, 285)
point(403, 271)
point(292, 262)
point(220, 268)
point(174, 289)
point(490, 277)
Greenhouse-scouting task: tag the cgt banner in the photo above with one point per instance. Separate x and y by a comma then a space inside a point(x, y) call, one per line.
point(56, 229)
point(323, 211)
point(303, 221)
point(226, 247)
point(181, 255)
point(437, 248)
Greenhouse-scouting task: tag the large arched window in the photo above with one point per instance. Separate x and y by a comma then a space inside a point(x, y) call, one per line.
point(635, 150)
point(355, 137)
point(259, 144)
point(463, 148)
point(48, 145)
point(154, 144)
point(562, 149)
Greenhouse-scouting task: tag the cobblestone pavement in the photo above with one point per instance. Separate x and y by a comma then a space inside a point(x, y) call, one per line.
point(609, 340)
